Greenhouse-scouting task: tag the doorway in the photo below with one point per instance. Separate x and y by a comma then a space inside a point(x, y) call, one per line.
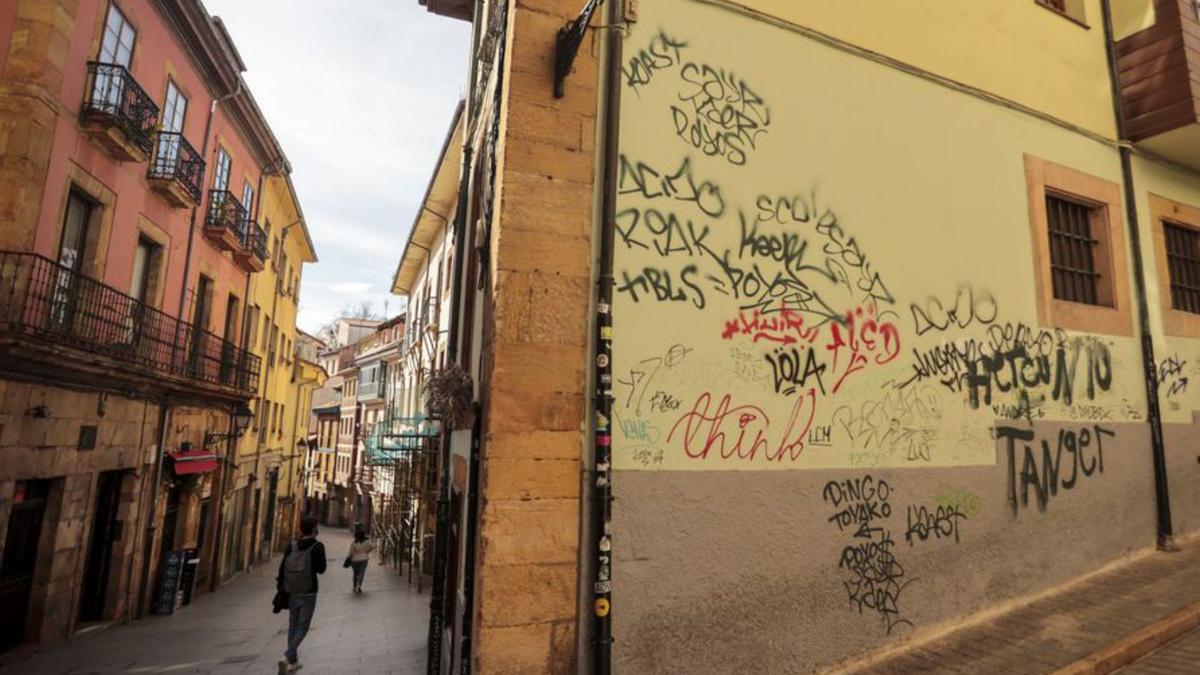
point(269, 523)
point(254, 526)
point(20, 559)
point(202, 310)
point(98, 568)
point(71, 261)
point(235, 511)
point(232, 314)
point(170, 522)
point(202, 572)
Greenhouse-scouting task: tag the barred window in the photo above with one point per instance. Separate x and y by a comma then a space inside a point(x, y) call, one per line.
point(1183, 265)
point(1074, 270)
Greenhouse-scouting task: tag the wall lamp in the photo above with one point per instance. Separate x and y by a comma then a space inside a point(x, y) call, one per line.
point(241, 421)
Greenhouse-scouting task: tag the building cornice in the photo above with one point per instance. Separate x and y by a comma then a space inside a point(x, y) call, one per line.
point(220, 66)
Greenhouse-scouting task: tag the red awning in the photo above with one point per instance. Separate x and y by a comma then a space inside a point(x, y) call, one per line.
point(193, 461)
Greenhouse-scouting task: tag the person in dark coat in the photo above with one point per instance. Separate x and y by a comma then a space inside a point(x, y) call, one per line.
point(303, 560)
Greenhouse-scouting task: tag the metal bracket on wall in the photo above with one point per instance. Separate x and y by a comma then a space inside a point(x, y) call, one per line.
point(566, 46)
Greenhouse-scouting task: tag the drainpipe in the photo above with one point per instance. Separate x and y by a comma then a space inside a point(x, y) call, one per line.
point(601, 485)
point(187, 264)
point(352, 479)
point(131, 608)
point(187, 259)
point(292, 457)
point(1162, 495)
point(164, 416)
point(275, 167)
point(215, 576)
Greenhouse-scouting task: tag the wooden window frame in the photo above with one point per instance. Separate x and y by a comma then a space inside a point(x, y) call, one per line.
point(151, 273)
point(222, 154)
point(1176, 322)
point(100, 223)
point(1043, 177)
point(1074, 11)
point(147, 229)
point(173, 83)
point(109, 8)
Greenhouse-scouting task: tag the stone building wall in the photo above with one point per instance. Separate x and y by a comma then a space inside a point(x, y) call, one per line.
point(29, 105)
point(47, 448)
point(535, 353)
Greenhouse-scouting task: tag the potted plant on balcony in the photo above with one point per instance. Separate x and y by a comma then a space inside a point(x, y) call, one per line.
point(449, 396)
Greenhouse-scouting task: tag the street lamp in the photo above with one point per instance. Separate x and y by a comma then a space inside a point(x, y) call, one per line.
point(241, 421)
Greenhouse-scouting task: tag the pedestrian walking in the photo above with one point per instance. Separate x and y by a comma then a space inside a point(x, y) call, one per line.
point(302, 562)
point(359, 555)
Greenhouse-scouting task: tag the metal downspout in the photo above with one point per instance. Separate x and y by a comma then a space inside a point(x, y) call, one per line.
point(187, 258)
point(164, 415)
point(601, 487)
point(131, 608)
point(1162, 495)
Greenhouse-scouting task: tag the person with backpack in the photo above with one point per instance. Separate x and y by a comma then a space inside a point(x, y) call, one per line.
point(303, 560)
point(359, 555)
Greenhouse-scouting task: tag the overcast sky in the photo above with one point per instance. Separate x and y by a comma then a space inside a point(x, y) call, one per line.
point(360, 94)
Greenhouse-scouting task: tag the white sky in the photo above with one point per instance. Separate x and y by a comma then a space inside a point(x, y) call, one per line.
point(360, 94)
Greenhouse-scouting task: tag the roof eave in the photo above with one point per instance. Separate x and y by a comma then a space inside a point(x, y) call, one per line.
point(453, 137)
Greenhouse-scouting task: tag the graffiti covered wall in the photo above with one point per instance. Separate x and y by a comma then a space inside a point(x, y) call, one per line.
point(838, 418)
point(800, 287)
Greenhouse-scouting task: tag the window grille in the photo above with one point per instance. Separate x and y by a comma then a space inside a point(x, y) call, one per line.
point(1072, 251)
point(1183, 264)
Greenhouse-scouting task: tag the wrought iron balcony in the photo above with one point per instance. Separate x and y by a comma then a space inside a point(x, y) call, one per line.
point(58, 323)
point(223, 222)
point(251, 252)
point(176, 170)
point(118, 113)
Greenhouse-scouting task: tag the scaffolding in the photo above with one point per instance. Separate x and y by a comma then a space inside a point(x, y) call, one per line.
point(402, 453)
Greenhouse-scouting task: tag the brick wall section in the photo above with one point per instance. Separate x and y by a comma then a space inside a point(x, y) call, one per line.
point(536, 353)
point(29, 86)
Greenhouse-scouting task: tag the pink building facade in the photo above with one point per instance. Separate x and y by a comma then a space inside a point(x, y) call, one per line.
point(131, 160)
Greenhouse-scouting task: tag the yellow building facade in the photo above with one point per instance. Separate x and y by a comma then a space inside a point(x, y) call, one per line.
point(265, 496)
point(887, 301)
point(897, 312)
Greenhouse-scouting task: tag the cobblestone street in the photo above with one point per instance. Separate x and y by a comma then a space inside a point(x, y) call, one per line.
point(233, 630)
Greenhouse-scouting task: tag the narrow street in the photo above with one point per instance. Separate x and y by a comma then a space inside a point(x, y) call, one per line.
point(233, 631)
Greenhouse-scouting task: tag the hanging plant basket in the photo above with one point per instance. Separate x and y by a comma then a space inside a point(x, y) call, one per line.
point(449, 395)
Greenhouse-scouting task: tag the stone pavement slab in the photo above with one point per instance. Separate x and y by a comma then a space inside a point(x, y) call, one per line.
point(1056, 630)
point(233, 630)
point(1180, 656)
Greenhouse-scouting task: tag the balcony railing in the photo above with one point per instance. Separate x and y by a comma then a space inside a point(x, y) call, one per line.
point(114, 101)
point(46, 301)
point(252, 246)
point(224, 221)
point(178, 167)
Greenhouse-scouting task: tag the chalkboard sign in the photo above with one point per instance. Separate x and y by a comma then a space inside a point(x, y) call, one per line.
point(172, 574)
